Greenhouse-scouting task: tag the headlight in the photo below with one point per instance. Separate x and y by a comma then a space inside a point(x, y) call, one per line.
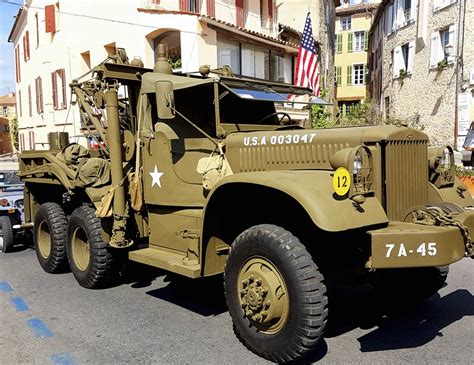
point(441, 165)
point(357, 161)
point(19, 204)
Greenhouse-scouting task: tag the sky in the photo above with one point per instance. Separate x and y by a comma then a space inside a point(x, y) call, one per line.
point(7, 68)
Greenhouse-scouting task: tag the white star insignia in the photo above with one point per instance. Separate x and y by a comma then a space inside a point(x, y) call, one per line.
point(156, 175)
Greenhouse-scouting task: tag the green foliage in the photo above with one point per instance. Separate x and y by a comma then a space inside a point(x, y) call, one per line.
point(14, 133)
point(175, 62)
point(320, 116)
point(357, 115)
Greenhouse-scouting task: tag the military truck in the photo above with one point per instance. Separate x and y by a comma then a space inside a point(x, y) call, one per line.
point(203, 175)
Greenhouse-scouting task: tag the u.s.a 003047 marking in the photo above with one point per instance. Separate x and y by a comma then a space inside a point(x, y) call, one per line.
point(280, 139)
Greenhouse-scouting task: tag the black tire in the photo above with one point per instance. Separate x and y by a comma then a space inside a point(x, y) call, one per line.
point(91, 261)
point(6, 234)
point(409, 286)
point(49, 235)
point(299, 333)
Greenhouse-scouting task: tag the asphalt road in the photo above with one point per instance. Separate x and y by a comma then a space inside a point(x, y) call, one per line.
point(160, 318)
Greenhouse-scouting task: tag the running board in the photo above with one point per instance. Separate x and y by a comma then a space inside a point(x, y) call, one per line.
point(171, 261)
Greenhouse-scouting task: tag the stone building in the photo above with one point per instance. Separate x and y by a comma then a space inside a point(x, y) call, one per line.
point(56, 42)
point(7, 114)
point(422, 65)
point(353, 23)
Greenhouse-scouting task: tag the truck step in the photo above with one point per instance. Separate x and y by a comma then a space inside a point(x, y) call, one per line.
point(171, 261)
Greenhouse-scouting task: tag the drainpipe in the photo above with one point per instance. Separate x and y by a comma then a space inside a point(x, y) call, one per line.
point(458, 60)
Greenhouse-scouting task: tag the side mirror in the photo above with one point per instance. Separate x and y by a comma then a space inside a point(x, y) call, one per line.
point(164, 99)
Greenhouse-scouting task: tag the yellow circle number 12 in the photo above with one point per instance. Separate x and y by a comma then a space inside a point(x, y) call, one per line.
point(341, 181)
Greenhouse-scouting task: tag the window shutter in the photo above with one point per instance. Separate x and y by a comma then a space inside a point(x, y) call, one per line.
point(349, 75)
point(411, 55)
point(339, 43)
point(338, 75)
point(366, 74)
point(239, 7)
point(436, 52)
point(50, 18)
point(24, 48)
point(27, 37)
point(413, 9)
point(30, 111)
point(37, 30)
point(452, 42)
point(389, 19)
point(19, 103)
point(40, 88)
point(400, 14)
point(63, 83)
point(22, 142)
point(366, 40)
point(397, 65)
point(37, 96)
point(54, 85)
point(349, 41)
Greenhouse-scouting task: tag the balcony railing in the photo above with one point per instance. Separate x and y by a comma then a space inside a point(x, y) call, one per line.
point(219, 10)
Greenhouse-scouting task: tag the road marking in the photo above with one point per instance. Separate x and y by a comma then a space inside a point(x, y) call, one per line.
point(62, 359)
point(19, 304)
point(5, 287)
point(39, 328)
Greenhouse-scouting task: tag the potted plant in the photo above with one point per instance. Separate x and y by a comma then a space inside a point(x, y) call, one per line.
point(442, 64)
point(403, 74)
point(466, 175)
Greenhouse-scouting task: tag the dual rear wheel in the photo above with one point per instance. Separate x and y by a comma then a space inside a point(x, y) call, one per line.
point(74, 243)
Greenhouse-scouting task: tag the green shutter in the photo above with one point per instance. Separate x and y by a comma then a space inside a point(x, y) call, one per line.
point(338, 75)
point(349, 41)
point(339, 43)
point(349, 75)
point(366, 34)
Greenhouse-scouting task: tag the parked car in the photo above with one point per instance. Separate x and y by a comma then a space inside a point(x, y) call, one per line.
point(11, 208)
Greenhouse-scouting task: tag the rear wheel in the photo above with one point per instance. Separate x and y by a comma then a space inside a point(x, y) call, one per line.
point(89, 257)
point(6, 234)
point(275, 294)
point(50, 237)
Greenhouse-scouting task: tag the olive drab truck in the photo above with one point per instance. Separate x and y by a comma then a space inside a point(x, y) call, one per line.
point(204, 175)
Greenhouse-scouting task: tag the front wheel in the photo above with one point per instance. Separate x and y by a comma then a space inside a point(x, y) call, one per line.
point(89, 257)
point(275, 294)
point(6, 234)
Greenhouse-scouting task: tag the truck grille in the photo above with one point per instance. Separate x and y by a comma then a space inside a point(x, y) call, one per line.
point(406, 176)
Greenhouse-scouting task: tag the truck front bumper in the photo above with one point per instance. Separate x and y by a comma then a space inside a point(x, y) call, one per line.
point(415, 245)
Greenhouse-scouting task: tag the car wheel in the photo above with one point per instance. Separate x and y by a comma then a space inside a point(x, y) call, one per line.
point(6, 234)
point(49, 236)
point(91, 261)
point(275, 294)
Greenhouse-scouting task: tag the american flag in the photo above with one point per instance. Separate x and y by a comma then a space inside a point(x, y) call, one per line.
point(307, 65)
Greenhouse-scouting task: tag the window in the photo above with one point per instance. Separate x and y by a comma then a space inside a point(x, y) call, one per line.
point(4, 111)
point(346, 23)
point(228, 53)
point(406, 9)
point(280, 67)
point(189, 6)
point(22, 142)
point(441, 4)
point(31, 139)
point(402, 59)
point(255, 61)
point(26, 46)
point(443, 46)
point(359, 41)
point(358, 74)
point(39, 95)
point(58, 81)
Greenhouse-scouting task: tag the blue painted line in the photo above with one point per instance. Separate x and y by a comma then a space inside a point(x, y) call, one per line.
point(39, 328)
point(19, 304)
point(5, 287)
point(63, 359)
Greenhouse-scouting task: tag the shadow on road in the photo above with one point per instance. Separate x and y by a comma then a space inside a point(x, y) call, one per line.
point(204, 296)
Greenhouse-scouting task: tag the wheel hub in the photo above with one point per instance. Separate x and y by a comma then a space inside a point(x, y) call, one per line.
point(263, 295)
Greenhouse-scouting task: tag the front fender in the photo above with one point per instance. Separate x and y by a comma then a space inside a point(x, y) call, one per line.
point(313, 191)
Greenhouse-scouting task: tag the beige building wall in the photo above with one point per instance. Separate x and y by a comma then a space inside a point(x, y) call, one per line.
point(425, 93)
